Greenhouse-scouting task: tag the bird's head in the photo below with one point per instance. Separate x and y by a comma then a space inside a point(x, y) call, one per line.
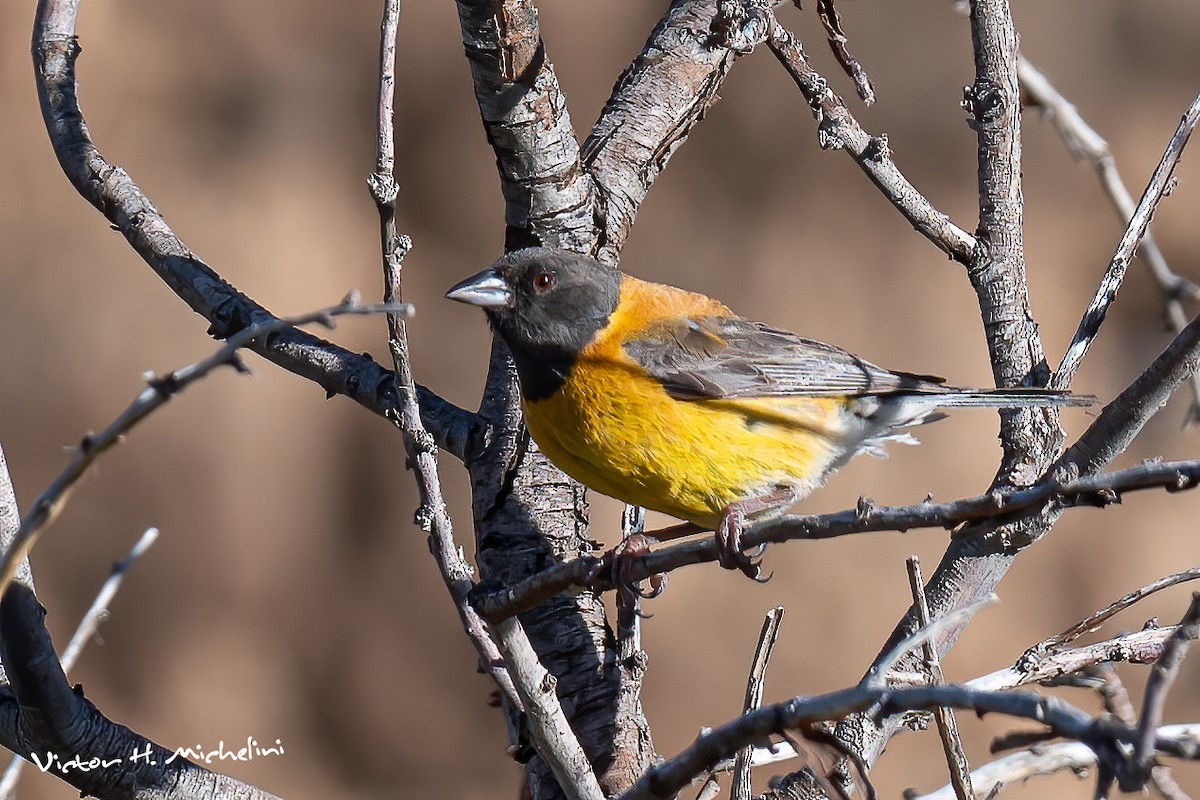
point(543, 300)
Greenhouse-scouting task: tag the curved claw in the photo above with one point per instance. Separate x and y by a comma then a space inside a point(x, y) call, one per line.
point(621, 560)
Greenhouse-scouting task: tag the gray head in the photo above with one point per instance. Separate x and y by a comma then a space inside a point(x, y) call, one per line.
point(547, 305)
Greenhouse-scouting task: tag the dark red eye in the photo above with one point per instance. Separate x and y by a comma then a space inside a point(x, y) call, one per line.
point(543, 280)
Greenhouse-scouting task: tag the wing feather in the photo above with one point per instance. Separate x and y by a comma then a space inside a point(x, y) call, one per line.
point(732, 357)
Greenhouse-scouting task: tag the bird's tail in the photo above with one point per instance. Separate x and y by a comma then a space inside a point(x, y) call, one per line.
point(1008, 398)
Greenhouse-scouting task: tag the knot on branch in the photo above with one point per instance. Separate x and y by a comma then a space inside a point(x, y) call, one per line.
point(228, 318)
point(829, 130)
point(742, 25)
point(984, 100)
point(384, 188)
point(864, 509)
point(878, 149)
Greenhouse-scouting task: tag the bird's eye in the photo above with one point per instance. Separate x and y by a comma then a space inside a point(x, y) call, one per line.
point(544, 280)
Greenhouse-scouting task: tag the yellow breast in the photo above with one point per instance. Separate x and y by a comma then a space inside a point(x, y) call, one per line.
point(616, 430)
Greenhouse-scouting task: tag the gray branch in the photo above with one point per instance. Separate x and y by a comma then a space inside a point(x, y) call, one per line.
point(111, 190)
point(837, 129)
point(665, 91)
point(1139, 222)
point(1045, 498)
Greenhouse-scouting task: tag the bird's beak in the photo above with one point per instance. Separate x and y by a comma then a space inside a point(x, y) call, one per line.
point(486, 290)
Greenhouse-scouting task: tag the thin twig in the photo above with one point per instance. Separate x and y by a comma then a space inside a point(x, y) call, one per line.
point(956, 757)
point(1034, 666)
point(510, 658)
point(1095, 620)
point(767, 637)
point(827, 11)
point(1045, 760)
point(1162, 675)
point(432, 515)
point(84, 633)
point(878, 674)
point(1043, 497)
point(1141, 647)
point(1160, 183)
point(1083, 142)
point(1117, 702)
point(629, 617)
point(50, 502)
point(1119, 422)
point(838, 129)
point(1059, 717)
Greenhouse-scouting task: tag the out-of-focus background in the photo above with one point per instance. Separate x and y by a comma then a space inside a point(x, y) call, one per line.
point(291, 598)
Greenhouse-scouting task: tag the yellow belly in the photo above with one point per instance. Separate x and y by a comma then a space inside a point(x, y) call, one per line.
point(618, 432)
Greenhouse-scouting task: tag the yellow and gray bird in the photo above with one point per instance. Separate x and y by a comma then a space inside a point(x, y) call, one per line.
point(666, 399)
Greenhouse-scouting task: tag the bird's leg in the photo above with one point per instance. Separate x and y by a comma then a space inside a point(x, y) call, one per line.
point(733, 523)
point(635, 543)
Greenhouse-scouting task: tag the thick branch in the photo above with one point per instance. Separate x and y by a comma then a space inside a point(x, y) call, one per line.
point(549, 197)
point(110, 189)
point(56, 724)
point(667, 89)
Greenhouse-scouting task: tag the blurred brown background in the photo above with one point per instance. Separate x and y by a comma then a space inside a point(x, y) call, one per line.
point(290, 597)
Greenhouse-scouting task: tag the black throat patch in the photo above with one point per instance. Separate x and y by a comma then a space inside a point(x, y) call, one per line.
point(541, 369)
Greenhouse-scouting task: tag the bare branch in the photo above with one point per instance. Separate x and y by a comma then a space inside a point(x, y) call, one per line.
point(552, 734)
point(549, 196)
point(432, 515)
point(111, 190)
point(1045, 497)
point(1162, 675)
point(1117, 702)
point(88, 626)
point(956, 757)
point(10, 521)
point(1043, 760)
point(1035, 666)
point(1106, 292)
point(1059, 717)
point(50, 502)
point(838, 129)
point(1121, 420)
point(832, 21)
point(1094, 621)
point(667, 89)
point(1083, 142)
point(997, 268)
point(767, 638)
point(878, 675)
point(55, 724)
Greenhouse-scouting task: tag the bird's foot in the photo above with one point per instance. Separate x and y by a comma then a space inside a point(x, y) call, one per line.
point(617, 565)
point(729, 544)
point(733, 524)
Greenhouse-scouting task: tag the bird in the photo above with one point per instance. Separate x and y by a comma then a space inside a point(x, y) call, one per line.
point(666, 399)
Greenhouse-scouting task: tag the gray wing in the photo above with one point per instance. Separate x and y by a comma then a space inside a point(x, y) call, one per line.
point(732, 357)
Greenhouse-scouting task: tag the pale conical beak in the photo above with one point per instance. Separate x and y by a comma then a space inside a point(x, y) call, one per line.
point(486, 290)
